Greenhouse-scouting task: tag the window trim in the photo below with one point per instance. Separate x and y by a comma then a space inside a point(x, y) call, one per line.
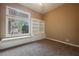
point(6, 22)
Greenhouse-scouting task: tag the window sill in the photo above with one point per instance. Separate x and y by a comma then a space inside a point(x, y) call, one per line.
point(13, 38)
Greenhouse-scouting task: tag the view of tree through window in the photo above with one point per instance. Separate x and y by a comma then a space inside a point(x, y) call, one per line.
point(18, 22)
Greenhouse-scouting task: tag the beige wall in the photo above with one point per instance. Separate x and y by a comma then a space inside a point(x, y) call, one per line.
point(63, 23)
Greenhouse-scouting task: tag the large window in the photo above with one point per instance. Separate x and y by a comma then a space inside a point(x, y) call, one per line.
point(17, 22)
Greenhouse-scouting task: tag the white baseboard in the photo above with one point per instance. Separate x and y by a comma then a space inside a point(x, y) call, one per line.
point(64, 42)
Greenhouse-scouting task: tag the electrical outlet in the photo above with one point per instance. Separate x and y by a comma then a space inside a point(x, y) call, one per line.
point(67, 40)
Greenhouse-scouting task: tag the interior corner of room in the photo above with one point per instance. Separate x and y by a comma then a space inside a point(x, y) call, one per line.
point(59, 24)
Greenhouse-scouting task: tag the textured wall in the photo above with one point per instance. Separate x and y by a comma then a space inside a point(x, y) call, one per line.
point(63, 23)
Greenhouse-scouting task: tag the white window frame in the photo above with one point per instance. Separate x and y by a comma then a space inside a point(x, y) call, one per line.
point(9, 16)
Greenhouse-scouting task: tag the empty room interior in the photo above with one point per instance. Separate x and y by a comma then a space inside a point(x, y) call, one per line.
point(39, 29)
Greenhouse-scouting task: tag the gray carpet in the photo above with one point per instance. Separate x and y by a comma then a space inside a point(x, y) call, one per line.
point(42, 48)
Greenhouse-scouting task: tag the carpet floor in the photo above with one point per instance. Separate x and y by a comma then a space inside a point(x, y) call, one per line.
point(43, 47)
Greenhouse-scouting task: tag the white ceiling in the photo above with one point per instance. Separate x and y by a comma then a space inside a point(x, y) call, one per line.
point(42, 8)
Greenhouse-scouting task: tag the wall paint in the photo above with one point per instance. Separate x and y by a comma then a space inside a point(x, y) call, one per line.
point(63, 23)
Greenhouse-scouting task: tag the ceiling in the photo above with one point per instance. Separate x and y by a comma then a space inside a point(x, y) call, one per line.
point(42, 7)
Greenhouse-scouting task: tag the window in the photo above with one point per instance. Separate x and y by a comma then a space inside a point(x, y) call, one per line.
point(17, 22)
point(37, 26)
